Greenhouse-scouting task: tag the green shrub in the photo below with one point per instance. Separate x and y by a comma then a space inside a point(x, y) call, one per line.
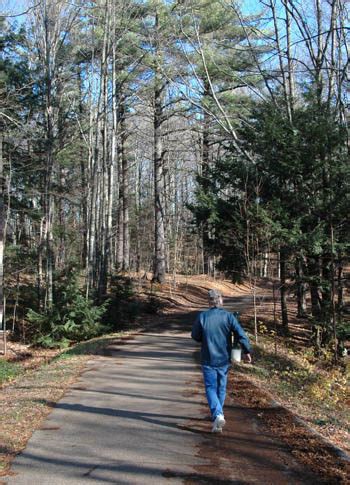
point(122, 306)
point(153, 305)
point(122, 287)
point(72, 318)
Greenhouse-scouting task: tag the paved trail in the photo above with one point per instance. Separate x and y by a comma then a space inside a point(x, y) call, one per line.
point(133, 418)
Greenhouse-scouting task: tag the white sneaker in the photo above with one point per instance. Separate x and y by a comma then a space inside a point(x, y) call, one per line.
point(218, 424)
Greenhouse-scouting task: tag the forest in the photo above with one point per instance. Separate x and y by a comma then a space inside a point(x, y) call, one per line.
point(153, 138)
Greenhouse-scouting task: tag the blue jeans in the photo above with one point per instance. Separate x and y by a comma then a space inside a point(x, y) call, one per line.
point(215, 381)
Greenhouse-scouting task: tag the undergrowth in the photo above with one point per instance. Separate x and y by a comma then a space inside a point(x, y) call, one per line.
point(8, 371)
point(302, 382)
point(73, 318)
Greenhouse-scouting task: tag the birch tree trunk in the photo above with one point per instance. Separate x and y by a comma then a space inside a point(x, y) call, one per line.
point(49, 64)
point(125, 183)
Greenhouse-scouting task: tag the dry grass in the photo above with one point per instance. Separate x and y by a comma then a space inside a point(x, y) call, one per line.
point(24, 404)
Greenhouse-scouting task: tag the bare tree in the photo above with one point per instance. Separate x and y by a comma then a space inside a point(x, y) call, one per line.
point(52, 22)
point(2, 241)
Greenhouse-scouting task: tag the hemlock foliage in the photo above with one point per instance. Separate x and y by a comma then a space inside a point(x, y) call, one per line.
point(73, 317)
point(291, 195)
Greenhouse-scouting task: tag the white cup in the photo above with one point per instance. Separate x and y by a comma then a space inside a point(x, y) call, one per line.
point(236, 355)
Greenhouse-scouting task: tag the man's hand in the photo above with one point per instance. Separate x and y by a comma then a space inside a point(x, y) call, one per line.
point(248, 358)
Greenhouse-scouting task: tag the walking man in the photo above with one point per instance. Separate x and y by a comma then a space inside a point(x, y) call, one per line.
point(214, 329)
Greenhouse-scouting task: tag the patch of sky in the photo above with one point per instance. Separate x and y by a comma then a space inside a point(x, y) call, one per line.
point(14, 10)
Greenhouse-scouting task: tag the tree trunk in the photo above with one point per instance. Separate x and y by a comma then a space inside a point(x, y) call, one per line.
point(49, 24)
point(333, 309)
point(125, 195)
point(159, 231)
point(39, 279)
point(103, 178)
point(314, 277)
point(283, 288)
point(121, 198)
point(49, 201)
point(208, 260)
point(301, 289)
point(113, 183)
point(60, 202)
point(138, 194)
point(326, 290)
point(340, 287)
point(104, 162)
point(290, 64)
point(315, 300)
point(2, 242)
point(281, 56)
point(84, 182)
point(159, 217)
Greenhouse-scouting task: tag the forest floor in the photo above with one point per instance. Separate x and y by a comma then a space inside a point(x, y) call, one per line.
point(304, 387)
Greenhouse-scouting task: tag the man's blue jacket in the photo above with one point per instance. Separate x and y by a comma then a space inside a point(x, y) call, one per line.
point(214, 328)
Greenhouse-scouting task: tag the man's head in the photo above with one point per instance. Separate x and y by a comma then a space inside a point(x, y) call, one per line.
point(215, 298)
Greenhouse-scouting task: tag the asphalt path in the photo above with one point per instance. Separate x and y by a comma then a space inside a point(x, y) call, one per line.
point(137, 416)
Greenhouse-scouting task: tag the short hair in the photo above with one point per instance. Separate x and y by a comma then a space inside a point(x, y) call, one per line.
point(215, 297)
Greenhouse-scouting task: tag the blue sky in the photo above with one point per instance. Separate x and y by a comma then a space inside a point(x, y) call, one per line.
point(14, 7)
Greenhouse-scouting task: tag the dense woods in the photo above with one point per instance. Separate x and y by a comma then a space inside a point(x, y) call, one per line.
point(171, 137)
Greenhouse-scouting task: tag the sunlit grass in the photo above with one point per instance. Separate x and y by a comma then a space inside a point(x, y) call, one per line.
point(8, 371)
point(296, 378)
